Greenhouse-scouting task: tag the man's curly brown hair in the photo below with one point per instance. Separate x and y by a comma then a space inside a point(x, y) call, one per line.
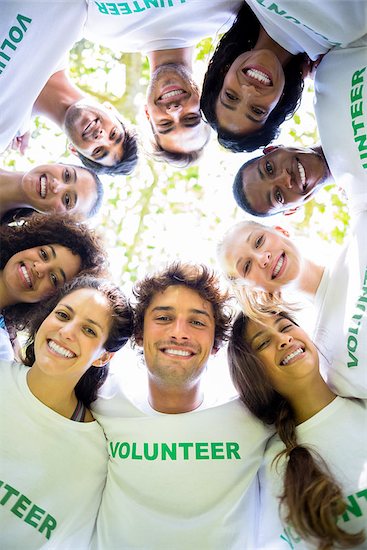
point(199, 278)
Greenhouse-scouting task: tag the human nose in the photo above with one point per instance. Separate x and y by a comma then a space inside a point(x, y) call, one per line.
point(67, 330)
point(174, 109)
point(284, 179)
point(284, 340)
point(98, 134)
point(179, 330)
point(56, 185)
point(39, 269)
point(263, 259)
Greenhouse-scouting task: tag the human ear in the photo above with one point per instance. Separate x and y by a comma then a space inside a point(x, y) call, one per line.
point(72, 149)
point(214, 350)
point(146, 112)
point(281, 230)
point(290, 211)
point(269, 149)
point(103, 359)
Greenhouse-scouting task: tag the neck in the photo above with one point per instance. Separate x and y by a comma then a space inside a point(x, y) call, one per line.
point(174, 400)
point(11, 192)
point(265, 42)
point(310, 277)
point(56, 97)
point(6, 299)
point(57, 394)
point(179, 56)
point(308, 400)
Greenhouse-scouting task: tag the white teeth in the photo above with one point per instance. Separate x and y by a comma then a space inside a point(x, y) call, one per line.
point(172, 94)
point(26, 276)
point(178, 352)
point(291, 355)
point(278, 266)
point(258, 75)
point(43, 181)
point(60, 350)
point(302, 174)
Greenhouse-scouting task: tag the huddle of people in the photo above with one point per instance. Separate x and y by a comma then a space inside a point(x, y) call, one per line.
point(86, 464)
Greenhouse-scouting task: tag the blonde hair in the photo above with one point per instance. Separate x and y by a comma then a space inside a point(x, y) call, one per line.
point(255, 303)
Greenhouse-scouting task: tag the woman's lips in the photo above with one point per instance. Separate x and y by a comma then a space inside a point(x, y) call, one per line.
point(279, 266)
point(258, 75)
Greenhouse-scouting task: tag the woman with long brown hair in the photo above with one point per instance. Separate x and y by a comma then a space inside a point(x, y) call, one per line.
point(313, 468)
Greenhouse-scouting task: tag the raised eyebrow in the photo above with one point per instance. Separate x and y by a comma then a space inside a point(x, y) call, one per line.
point(62, 273)
point(53, 251)
point(102, 156)
point(253, 119)
point(226, 105)
point(162, 308)
point(200, 312)
point(72, 311)
point(259, 333)
point(193, 124)
point(164, 132)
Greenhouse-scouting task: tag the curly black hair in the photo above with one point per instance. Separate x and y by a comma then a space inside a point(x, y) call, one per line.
point(125, 165)
point(42, 229)
point(241, 37)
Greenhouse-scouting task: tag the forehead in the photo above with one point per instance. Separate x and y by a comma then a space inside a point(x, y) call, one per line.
point(88, 301)
point(181, 299)
point(237, 241)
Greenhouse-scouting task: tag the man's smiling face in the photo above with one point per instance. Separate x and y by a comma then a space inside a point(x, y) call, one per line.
point(173, 110)
point(178, 335)
point(283, 178)
point(96, 132)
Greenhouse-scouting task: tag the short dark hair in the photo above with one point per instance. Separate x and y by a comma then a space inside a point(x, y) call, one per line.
point(179, 160)
point(126, 164)
point(240, 195)
point(99, 189)
point(196, 277)
point(242, 36)
point(119, 333)
point(42, 229)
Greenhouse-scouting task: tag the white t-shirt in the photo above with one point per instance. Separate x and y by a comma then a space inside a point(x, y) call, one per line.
point(337, 434)
point(341, 113)
point(341, 321)
point(312, 26)
point(179, 481)
point(149, 25)
point(6, 349)
point(53, 470)
point(35, 35)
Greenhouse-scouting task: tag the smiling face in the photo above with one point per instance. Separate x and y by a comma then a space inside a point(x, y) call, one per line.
point(72, 337)
point(96, 132)
point(283, 178)
point(32, 274)
point(259, 257)
point(178, 336)
point(173, 110)
point(286, 351)
point(60, 188)
point(251, 89)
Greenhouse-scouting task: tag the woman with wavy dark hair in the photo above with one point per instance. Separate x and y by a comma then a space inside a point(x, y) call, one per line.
point(55, 458)
point(313, 466)
point(36, 258)
point(255, 77)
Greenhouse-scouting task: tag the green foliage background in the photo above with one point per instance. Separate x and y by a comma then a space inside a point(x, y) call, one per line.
point(160, 213)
